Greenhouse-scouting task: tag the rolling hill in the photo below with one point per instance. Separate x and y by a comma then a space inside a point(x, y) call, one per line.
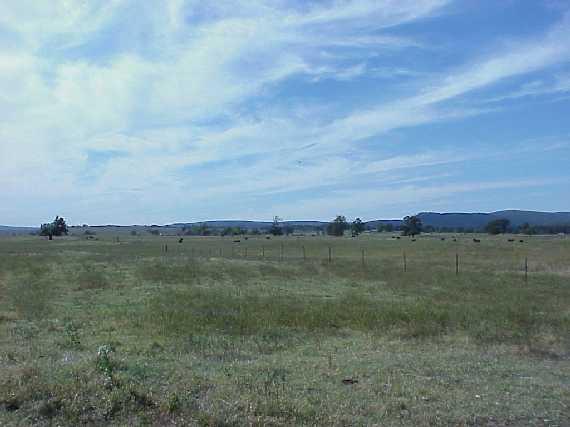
point(479, 220)
point(454, 220)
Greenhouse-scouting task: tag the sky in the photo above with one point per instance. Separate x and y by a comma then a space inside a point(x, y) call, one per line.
point(132, 112)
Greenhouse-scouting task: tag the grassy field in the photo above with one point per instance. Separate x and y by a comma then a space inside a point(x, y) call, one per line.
point(214, 332)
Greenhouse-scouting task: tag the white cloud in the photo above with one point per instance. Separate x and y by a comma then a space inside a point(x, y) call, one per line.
point(561, 84)
point(178, 85)
point(370, 203)
point(418, 109)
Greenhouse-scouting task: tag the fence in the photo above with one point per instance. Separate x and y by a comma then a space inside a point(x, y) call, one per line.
point(300, 253)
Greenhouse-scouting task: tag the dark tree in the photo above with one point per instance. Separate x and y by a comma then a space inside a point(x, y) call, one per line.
point(276, 229)
point(56, 228)
point(411, 226)
point(357, 227)
point(337, 227)
point(498, 226)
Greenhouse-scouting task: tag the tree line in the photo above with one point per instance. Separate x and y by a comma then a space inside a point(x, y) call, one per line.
point(410, 226)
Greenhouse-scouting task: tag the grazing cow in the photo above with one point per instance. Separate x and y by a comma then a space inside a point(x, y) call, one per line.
point(237, 241)
point(413, 240)
point(181, 240)
point(476, 241)
point(521, 241)
point(454, 239)
point(442, 239)
point(511, 240)
point(246, 237)
point(268, 237)
point(398, 237)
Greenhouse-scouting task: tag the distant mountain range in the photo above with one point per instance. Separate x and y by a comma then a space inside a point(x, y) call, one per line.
point(476, 221)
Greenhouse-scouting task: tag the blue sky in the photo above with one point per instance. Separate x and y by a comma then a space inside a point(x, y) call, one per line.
point(122, 111)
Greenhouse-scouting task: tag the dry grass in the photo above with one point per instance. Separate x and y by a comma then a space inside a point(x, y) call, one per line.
point(100, 333)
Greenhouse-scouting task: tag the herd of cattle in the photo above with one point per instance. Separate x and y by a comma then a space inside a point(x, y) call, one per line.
point(455, 239)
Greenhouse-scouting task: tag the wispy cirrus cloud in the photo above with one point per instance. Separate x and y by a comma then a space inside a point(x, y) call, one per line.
point(280, 97)
point(560, 84)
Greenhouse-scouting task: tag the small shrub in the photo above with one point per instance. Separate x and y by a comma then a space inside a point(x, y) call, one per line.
point(105, 364)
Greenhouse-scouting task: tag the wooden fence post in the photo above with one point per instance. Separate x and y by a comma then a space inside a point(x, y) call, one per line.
point(456, 264)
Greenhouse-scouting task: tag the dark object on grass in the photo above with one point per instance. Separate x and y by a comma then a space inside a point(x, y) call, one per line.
point(476, 241)
point(181, 240)
point(349, 381)
point(237, 241)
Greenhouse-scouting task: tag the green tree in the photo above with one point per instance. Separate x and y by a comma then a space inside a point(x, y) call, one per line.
point(276, 229)
point(357, 227)
point(56, 228)
point(411, 226)
point(498, 226)
point(338, 226)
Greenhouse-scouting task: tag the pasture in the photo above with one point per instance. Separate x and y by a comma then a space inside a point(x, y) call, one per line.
point(144, 330)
